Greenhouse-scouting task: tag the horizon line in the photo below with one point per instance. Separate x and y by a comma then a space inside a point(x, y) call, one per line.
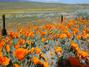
point(44, 2)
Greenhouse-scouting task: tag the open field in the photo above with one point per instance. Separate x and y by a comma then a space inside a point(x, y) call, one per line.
point(33, 12)
point(36, 6)
point(36, 36)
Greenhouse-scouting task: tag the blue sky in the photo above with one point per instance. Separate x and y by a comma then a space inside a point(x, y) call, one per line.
point(63, 1)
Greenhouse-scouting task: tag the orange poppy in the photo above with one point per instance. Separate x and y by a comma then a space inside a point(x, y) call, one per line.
point(46, 64)
point(4, 61)
point(36, 60)
point(61, 27)
point(20, 53)
point(32, 50)
point(86, 36)
point(2, 43)
point(78, 37)
point(49, 26)
point(26, 33)
point(31, 34)
point(84, 54)
point(69, 35)
point(16, 34)
point(11, 42)
point(8, 48)
point(17, 46)
point(43, 39)
point(36, 27)
point(12, 35)
point(21, 41)
point(38, 50)
point(43, 33)
point(58, 49)
point(7, 39)
point(74, 45)
point(70, 24)
point(61, 36)
point(1, 54)
point(87, 30)
point(75, 30)
point(17, 65)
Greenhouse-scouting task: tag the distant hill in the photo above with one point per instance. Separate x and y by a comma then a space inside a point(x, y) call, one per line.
point(6, 5)
point(13, 6)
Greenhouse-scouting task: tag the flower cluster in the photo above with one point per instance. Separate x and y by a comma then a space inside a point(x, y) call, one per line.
point(44, 46)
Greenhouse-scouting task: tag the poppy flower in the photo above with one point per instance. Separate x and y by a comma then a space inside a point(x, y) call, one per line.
point(17, 65)
point(75, 30)
point(43, 39)
point(46, 64)
point(12, 35)
point(8, 48)
point(11, 42)
point(21, 41)
point(74, 45)
point(86, 36)
point(32, 49)
point(79, 37)
point(58, 49)
point(49, 26)
point(62, 36)
point(16, 34)
point(2, 43)
point(17, 46)
point(1, 54)
point(31, 34)
point(87, 30)
point(7, 39)
point(20, 53)
point(4, 61)
point(38, 50)
point(43, 33)
point(84, 54)
point(36, 60)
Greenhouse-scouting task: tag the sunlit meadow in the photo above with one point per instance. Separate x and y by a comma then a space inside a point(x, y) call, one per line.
point(48, 39)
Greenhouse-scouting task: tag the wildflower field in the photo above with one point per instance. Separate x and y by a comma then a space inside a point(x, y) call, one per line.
point(61, 44)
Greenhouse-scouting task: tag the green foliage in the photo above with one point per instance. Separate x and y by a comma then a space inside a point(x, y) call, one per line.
point(84, 14)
